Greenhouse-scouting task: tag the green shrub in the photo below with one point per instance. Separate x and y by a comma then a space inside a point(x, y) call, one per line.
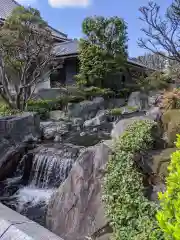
point(6, 111)
point(131, 215)
point(171, 125)
point(155, 81)
point(169, 214)
point(75, 99)
point(43, 107)
point(92, 92)
point(115, 111)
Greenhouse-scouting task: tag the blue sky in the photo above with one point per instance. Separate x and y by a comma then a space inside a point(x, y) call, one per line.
point(67, 15)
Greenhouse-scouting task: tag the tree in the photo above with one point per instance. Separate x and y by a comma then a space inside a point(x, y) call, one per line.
point(152, 60)
point(26, 52)
point(162, 32)
point(103, 50)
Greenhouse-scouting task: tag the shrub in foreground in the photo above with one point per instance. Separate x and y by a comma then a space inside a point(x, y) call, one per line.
point(169, 215)
point(131, 215)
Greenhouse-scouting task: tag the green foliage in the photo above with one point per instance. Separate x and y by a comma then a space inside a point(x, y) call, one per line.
point(26, 45)
point(171, 124)
point(6, 111)
point(115, 111)
point(103, 51)
point(155, 81)
point(43, 107)
point(169, 215)
point(131, 108)
point(131, 215)
point(92, 92)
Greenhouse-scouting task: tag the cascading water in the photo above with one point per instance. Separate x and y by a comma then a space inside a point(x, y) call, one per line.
point(50, 167)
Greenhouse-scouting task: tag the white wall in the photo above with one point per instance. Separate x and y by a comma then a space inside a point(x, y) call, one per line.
point(45, 83)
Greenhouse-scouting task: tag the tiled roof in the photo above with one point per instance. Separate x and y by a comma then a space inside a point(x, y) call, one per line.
point(7, 6)
point(71, 48)
point(67, 48)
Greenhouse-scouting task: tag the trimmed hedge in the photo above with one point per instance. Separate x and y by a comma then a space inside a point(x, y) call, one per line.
point(92, 92)
point(169, 215)
point(131, 215)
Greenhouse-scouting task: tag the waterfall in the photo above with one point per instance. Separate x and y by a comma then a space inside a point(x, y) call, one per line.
point(49, 169)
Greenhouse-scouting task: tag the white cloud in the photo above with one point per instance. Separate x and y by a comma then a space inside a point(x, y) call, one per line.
point(26, 2)
point(69, 3)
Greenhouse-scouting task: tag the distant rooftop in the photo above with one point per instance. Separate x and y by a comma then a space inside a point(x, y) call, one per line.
point(6, 8)
point(71, 48)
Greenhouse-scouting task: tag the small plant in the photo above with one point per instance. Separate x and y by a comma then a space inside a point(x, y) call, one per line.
point(6, 111)
point(169, 215)
point(131, 108)
point(115, 111)
point(131, 215)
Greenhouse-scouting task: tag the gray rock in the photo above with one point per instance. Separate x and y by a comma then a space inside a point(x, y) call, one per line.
point(138, 100)
point(49, 93)
point(51, 129)
point(57, 115)
point(77, 121)
point(123, 124)
point(96, 121)
point(15, 134)
point(85, 109)
point(76, 210)
point(154, 113)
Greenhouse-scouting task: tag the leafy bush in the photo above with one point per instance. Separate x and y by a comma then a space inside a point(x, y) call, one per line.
point(155, 81)
point(6, 111)
point(169, 215)
point(43, 107)
point(171, 99)
point(171, 125)
point(131, 215)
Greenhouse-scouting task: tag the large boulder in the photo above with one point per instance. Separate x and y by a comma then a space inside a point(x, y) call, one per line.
point(17, 134)
point(100, 118)
point(154, 113)
point(123, 124)
point(57, 115)
point(86, 109)
point(138, 100)
point(50, 130)
point(76, 210)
